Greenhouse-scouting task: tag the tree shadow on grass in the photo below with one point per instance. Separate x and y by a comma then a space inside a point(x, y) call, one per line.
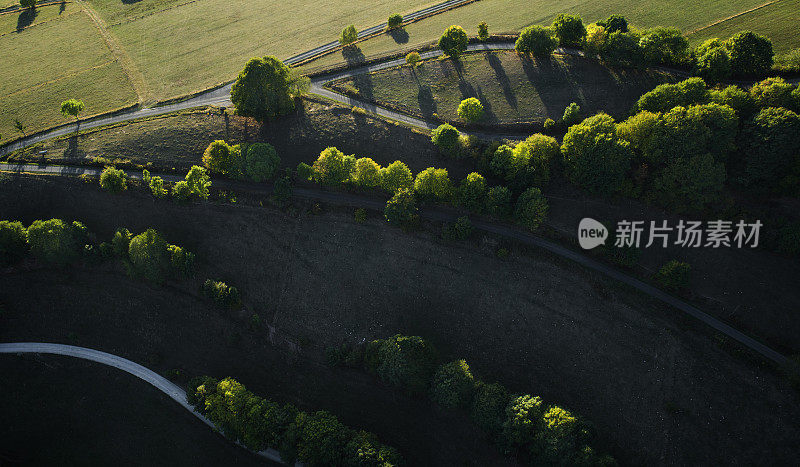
point(467, 90)
point(488, 112)
point(502, 78)
point(427, 105)
point(128, 2)
point(353, 55)
point(552, 85)
point(61, 7)
point(26, 18)
point(400, 35)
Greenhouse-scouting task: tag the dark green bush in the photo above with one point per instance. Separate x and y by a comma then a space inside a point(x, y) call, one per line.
point(531, 208)
point(459, 230)
point(55, 241)
point(401, 209)
point(537, 41)
point(121, 241)
point(488, 407)
point(182, 261)
point(13, 242)
point(223, 295)
point(149, 257)
point(569, 30)
point(407, 362)
point(453, 385)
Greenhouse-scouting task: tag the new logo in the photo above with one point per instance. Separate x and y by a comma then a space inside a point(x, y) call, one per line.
point(591, 233)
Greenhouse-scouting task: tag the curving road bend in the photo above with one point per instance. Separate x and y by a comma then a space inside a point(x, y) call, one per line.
point(150, 377)
point(445, 215)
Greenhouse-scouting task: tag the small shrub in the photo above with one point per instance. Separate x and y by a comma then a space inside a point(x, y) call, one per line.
point(572, 115)
point(413, 59)
point(531, 208)
point(360, 215)
point(149, 257)
point(261, 162)
point(483, 31)
point(674, 275)
point(459, 230)
point(394, 21)
point(181, 191)
point(401, 209)
point(549, 125)
point(445, 137)
point(470, 110)
point(282, 190)
point(304, 171)
point(395, 176)
point(223, 295)
point(498, 201)
point(569, 30)
point(453, 385)
point(113, 180)
point(182, 261)
point(157, 187)
point(348, 36)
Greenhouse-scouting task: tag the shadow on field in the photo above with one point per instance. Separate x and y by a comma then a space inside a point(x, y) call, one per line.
point(61, 7)
point(26, 18)
point(427, 105)
point(400, 35)
point(502, 78)
point(353, 55)
point(541, 74)
point(129, 2)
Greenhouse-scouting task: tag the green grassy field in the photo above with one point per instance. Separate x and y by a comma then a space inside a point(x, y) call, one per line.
point(513, 15)
point(61, 56)
point(511, 89)
point(779, 21)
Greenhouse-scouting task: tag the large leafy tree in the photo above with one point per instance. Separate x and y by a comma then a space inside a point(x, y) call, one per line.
point(407, 362)
point(261, 162)
point(433, 183)
point(218, 158)
point(395, 176)
point(348, 36)
point(333, 167)
point(401, 208)
point(770, 149)
point(13, 242)
point(149, 256)
point(114, 180)
point(531, 208)
point(569, 30)
point(712, 61)
point(198, 181)
point(367, 173)
point(472, 192)
point(689, 184)
point(55, 241)
point(537, 41)
point(72, 108)
point(751, 54)
point(595, 157)
point(470, 110)
point(454, 41)
point(667, 96)
point(453, 385)
point(263, 89)
point(445, 136)
point(666, 46)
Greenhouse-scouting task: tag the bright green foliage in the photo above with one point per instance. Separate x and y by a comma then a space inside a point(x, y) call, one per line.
point(157, 187)
point(182, 261)
point(413, 58)
point(689, 184)
point(531, 208)
point(263, 89)
point(501, 161)
point(434, 184)
point(445, 136)
point(407, 362)
point(639, 129)
point(674, 275)
point(367, 173)
point(121, 241)
point(217, 158)
point(223, 295)
point(483, 31)
point(523, 421)
point(770, 149)
point(498, 201)
point(472, 192)
point(774, 92)
point(181, 190)
point(198, 181)
point(394, 21)
point(72, 108)
point(149, 256)
point(549, 125)
point(453, 385)
point(458, 231)
point(569, 30)
point(488, 407)
point(146, 176)
point(736, 98)
point(622, 48)
point(561, 438)
point(572, 114)
point(614, 23)
point(454, 41)
point(401, 209)
point(395, 176)
point(332, 167)
point(365, 449)
point(470, 110)
point(261, 162)
point(751, 54)
point(113, 180)
point(304, 171)
point(666, 96)
point(713, 61)
point(537, 41)
point(54, 241)
point(595, 157)
point(321, 438)
point(28, 4)
point(665, 46)
point(596, 37)
point(13, 242)
point(348, 36)
point(531, 159)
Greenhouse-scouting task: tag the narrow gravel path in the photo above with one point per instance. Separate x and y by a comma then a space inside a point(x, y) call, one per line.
point(150, 377)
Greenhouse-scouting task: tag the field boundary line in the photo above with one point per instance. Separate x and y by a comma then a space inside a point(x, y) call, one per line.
point(60, 78)
point(135, 77)
point(720, 21)
point(17, 31)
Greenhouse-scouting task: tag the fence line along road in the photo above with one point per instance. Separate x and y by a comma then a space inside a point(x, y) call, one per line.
point(150, 377)
point(437, 214)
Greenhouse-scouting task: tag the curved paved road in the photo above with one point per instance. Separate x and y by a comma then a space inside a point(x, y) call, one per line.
point(150, 377)
point(442, 214)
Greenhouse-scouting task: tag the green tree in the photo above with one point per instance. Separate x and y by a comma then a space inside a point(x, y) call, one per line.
point(531, 159)
point(572, 115)
point(736, 98)
point(263, 89)
point(364, 449)
point(322, 438)
point(261, 162)
point(770, 149)
point(537, 41)
point(483, 31)
point(470, 110)
point(774, 92)
point(569, 30)
point(332, 167)
point(454, 41)
point(13, 242)
point(434, 184)
point(751, 54)
point(531, 208)
point(181, 190)
point(401, 209)
point(394, 21)
point(453, 385)
point(413, 59)
point(501, 162)
point(218, 159)
point(595, 42)
point(595, 157)
point(689, 184)
point(674, 275)
point(560, 437)
point(665, 46)
point(667, 96)
point(367, 173)
point(72, 108)
point(181, 260)
point(348, 36)
point(54, 241)
point(622, 48)
point(712, 61)
point(121, 241)
point(488, 407)
point(198, 181)
point(157, 187)
point(614, 23)
point(472, 192)
point(458, 231)
point(523, 421)
point(395, 176)
point(29, 4)
point(149, 256)
point(114, 180)
point(498, 201)
point(282, 190)
point(445, 136)
point(407, 362)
